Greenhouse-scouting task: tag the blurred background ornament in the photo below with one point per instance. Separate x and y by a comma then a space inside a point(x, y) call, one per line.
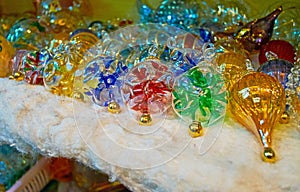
point(62, 17)
point(277, 48)
point(287, 25)
point(227, 15)
point(257, 101)
point(13, 164)
point(28, 34)
point(182, 14)
point(199, 98)
point(6, 53)
point(293, 92)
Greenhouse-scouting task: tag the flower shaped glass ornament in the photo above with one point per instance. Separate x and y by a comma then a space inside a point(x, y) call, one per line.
point(257, 101)
point(6, 53)
point(233, 66)
point(101, 82)
point(146, 90)
point(32, 66)
point(199, 97)
point(59, 72)
point(187, 50)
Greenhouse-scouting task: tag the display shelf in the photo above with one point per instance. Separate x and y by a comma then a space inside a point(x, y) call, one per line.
point(226, 159)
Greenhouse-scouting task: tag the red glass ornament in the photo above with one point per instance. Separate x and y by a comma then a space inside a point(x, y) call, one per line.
point(148, 91)
point(282, 49)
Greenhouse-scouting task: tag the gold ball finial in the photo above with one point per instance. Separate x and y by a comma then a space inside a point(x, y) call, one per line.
point(114, 107)
point(285, 118)
point(268, 155)
point(195, 129)
point(145, 119)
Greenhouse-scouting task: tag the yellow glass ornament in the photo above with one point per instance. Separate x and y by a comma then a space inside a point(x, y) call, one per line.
point(233, 67)
point(85, 38)
point(6, 53)
point(257, 101)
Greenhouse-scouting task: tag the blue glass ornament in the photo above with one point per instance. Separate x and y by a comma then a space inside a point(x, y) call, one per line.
point(278, 68)
point(102, 81)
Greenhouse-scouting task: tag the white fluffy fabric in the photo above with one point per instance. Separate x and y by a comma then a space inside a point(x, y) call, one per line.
point(226, 158)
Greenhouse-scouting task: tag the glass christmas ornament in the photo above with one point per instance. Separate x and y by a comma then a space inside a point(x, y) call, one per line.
point(293, 92)
point(199, 98)
point(187, 50)
point(146, 90)
point(32, 66)
point(6, 22)
point(278, 68)
point(6, 53)
point(17, 63)
point(277, 48)
point(98, 28)
point(257, 32)
point(233, 67)
point(84, 38)
point(59, 72)
point(28, 34)
point(102, 81)
point(257, 101)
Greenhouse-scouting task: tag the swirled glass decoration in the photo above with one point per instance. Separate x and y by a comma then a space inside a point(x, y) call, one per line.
point(199, 97)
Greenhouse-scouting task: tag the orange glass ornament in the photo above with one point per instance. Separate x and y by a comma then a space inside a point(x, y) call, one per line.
point(233, 66)
point(257, 101)
point(6, 53)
